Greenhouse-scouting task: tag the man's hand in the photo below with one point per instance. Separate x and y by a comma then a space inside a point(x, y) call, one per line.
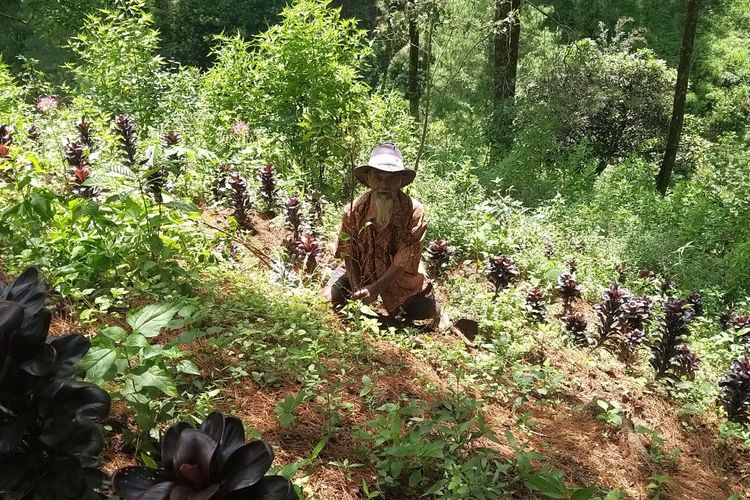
point(367, 294)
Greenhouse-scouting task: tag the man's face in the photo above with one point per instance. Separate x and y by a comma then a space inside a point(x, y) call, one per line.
point(384, 183)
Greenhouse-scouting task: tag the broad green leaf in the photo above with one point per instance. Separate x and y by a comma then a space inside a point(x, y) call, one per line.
point(97, 363)
point(157, 378)
point(549, 485)
point(149, 320)
point(188, 367)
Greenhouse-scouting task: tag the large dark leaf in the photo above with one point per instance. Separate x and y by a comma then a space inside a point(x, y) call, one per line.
point(63, 478)
point(194, 449)
point(268, 488)
point(34, 329)
point(13, 468)
point(78, 437)
point(28, 291)
point(182, 492)
point(230, 434)
point(11, 435)
point(131, 482)
point(42, 362)
point(213, 426)
point(11, 316)
point(70, 349)
point(75, 398)
point(246, 466)
point(159, 491)
point(169, 444)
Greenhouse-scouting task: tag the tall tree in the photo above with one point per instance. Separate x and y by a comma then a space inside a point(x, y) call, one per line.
point(680, 95)
point(507, 35)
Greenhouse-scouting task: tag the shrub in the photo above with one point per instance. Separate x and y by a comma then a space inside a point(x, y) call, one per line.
point(604, 94)
point(10, 92)
point(118, 68)
point(307, 88)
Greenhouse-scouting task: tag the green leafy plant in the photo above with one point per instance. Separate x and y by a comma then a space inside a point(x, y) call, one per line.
point(656, 446)
point(211, 462)
point(435, 448)
point(609, 412)
point(142, 373)
point(50, 440)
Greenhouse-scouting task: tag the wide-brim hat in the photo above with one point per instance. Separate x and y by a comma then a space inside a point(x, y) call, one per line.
point(387, 158)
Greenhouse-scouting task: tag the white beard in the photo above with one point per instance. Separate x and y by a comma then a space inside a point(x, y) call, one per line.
point(383, 208)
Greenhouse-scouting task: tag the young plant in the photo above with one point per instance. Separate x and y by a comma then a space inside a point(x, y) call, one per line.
point(610, 315)
point(576, 324)
point(76, 155)
point(308, 250)
point(572, 265)
point(50, 440)
point(170, 141)
point(127, 140)
point(549, 249)
point(535, 309)
point(240, 199)
point(669, 350)
point(84, 132)
point(569, 291)
point(292, 207)
point(240, 129)
point(440, 253)
point(314, 210)
point(501, 271)
point(219, 184)
point(268, 189)
point(735, 391)
point(695, 299)
point(211, 462)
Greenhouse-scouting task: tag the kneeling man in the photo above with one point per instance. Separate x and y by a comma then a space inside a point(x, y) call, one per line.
point(381, 243)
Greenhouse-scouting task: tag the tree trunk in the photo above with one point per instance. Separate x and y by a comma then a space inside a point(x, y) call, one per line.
point(678, 111)
point(508, 25)
point(413, 86)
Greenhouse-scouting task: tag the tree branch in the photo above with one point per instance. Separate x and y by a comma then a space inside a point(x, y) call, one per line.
point(13, 18)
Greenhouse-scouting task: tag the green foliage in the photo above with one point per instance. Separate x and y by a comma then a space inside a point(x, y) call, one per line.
point(118, 68)
point(434, 447)
point(10, 92)
point(143, 374)
point(302, 83)
point(603, 94)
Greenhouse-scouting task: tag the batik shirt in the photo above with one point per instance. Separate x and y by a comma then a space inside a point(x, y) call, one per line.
point(376, 249)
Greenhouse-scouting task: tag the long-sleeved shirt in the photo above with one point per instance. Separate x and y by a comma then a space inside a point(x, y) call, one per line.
point(375, 249)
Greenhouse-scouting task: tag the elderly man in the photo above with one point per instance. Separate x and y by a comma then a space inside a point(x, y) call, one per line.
point(381, 243)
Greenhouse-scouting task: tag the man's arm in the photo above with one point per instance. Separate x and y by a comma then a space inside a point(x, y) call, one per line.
point(370, 292)
point(353, 271)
